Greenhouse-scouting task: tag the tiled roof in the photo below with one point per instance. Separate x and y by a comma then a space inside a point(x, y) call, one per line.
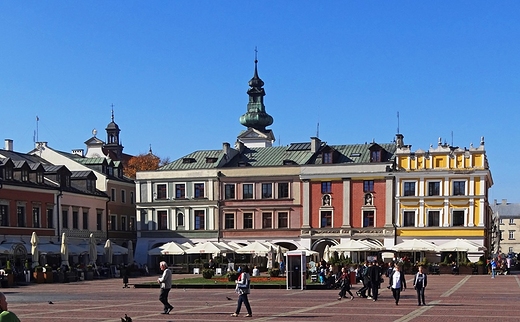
point(196, 160)
point(80, 174)
point(511, 210)
point(90, 161)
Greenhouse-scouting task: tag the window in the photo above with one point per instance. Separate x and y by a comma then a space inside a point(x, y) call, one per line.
point(50, 218)
point(458, 218)
point(4, 215)
point(434, 188)
point(113, 223)
point(409, 219)
point(65, 218)
point(99, 221)
point(39, 177)
point(248, 221)
point(327, 157)
point(511, 234)
point(267, 190)
point(267, 220)
point(283, 220)
point(511, 221)
point(75, 219)
point(368, 218)
point(247, 191)
point(501, 221)
point(36, 217)
point(113, 194)
point(90, 185)
point(199, 220)
point(375, 156)
point(501, 235)
point(180, 219)
point(123, 223)
point(131, 224)
point(25, 175)
point(326, 219)
point(180, 190)
point(161, 191)
point(326, 187)
point(229, 221)
point(132, 200)
point(20, 212)
point(283, 190)
point(409, 189)
point(8, 173)
point(459, 188)
point(434, 218)
point(162, 218)
point(229, 191)
point(85, 220)
point(123, 196)
point(199, 190)
point(510, 249)
point(368, 186)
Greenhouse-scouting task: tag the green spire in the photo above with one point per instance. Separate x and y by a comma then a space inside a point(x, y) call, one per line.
point(256, 117)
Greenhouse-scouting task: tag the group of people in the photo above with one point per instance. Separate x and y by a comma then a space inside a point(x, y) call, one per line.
point(371, 275)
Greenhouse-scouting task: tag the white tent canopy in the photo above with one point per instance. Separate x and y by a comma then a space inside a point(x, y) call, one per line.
point(415, 245)
point(256, 248)
point(461, 245)
point(353, 245)
point(208, 248)
point(170, 248)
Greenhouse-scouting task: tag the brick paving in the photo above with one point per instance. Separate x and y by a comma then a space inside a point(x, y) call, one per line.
point(450, 298)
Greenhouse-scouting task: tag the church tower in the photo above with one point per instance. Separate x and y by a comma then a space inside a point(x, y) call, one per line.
point(113, 146)
point(256, 119)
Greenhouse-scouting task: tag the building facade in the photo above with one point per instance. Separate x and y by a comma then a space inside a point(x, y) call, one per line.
point(507, 224)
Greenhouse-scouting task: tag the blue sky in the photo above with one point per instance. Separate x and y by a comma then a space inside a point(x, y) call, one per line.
point(177, 73)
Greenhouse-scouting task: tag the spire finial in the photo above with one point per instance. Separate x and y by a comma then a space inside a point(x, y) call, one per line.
point(112, 112)
point(256, 55)
point(150, 151)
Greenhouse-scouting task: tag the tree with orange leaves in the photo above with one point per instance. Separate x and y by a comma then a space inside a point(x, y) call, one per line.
point(142, 162)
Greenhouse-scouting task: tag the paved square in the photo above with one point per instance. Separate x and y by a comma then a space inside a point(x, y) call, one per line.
point(450, 298)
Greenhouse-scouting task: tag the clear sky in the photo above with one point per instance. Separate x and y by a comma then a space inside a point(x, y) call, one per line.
point(177, 73)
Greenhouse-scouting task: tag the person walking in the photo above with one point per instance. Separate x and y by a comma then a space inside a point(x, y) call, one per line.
point(493, 268)
point(166, 284)
point(344, 284)
point(243, 289)
point(420, 282)
point(397, 283)
point(374, 272)
point(6, 316)
point(362, 292)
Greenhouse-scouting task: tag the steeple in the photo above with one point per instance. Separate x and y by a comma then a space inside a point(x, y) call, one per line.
point(256, 117)
point(113, 143)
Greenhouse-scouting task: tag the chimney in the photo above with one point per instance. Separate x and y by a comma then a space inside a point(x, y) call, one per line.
point(79, 152)
point(239, 145)
point(399, 140)
point(225, 148)
point(315, 144)
point(8, 145)
point(504, 201)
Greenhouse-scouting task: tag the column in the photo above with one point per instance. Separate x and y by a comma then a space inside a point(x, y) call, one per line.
point(389, 201)
point(346, 203)
point(306, 204)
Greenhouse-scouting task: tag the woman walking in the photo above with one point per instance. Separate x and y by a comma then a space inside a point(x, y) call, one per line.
point(397, 283)
point(243, 289)
point(344, 284)
point(419, 283)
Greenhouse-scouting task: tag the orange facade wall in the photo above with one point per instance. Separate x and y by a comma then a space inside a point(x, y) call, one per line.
point(358, 199)
point(336, 203)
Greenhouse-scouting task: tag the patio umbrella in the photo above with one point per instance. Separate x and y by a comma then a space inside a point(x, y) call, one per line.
point(171, 248)
point(256, 248)
point(34, 250)
point(326, 254)
point(108, 251)
point(415, 245)
point(279, 255)
point(461, 245)
point(64, 251)
point(92, 251)
point(352, 245)
point(130, 258)
point(208, 248)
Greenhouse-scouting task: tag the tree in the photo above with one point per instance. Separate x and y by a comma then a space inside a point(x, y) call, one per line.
point(142, 162)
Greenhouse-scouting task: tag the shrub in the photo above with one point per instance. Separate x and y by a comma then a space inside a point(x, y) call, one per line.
point(208, 273)
point(274, 272)
point(232, 276)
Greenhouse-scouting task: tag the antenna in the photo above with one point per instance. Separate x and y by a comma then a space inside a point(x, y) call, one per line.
point(318, 130)
point(397, 122)
point(37, 120)
point(452, 138)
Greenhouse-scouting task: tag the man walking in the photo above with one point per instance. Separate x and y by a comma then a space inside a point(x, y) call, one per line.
point(5, 315)
point(166, 284)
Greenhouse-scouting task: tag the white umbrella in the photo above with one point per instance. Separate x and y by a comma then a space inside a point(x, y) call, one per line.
point(326, 254)
point(130, 258)
point(279, 255)
point(171, 248)
point(308, 252)
point(256, 248)
point(415, 245)
point(461, 245)
point(34, 250)
point(352, 245)
point(92, 251)
point(64, 251)
point(208, 248)
point(108, 251)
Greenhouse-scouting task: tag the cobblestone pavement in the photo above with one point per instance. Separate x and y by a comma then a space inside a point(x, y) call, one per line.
point(449, 298)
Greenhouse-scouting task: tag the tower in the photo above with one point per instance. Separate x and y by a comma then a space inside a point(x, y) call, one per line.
point(113, 146)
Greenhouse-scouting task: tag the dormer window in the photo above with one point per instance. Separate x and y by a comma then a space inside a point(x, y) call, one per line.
point(110, 171)
point(211, 160)
point(25, 175)
point(39, 177)
point(90, 185)
point(189, 160)
point(375, 156)
point(8, 173)
point(327, 157)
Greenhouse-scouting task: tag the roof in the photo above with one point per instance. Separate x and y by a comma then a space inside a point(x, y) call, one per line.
point(510, 210)
point(204, 159)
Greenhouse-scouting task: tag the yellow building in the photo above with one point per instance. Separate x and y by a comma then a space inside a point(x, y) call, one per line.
point(442, 194)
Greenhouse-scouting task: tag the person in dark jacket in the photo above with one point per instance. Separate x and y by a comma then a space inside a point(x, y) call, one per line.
point(344, 283)
point(374, 273)
point(419, 284)
point(366, 281)
point(397, 283)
